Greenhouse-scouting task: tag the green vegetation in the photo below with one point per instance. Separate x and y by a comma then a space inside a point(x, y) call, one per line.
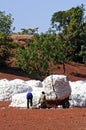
point(5, 23)
point(65, 41)
point(5, 39)
point(71, 25)
point(29, 31)
point(42, 50)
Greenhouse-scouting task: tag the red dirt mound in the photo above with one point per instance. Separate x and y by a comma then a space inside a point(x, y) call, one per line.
point(74, 72)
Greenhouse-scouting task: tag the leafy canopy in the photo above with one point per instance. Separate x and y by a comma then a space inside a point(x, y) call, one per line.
point(5, 40)
point(5, 23)
point(42, 50)
point(71, 27)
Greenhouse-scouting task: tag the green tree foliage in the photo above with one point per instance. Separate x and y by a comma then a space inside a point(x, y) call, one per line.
point(29, 31)
point(71, 25)
point(5, 23)
point(5, 39)
point(5, 47)
point(42, 50)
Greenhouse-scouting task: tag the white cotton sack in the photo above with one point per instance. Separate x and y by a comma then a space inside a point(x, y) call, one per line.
point(57, 86)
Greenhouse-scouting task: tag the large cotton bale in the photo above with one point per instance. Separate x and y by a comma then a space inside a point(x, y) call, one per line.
point(56, 86)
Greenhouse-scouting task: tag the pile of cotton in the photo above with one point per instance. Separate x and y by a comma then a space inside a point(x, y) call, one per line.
point(9, 88)
point(17, 86)
point(78, 93)
point(19, 100)
point(57, 86)
point(54, 86)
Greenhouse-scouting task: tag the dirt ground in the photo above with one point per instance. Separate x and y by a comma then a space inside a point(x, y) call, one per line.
point(44, 119)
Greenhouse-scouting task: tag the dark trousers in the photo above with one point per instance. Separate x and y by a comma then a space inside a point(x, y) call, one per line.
point(29, 102)
point(43, 105)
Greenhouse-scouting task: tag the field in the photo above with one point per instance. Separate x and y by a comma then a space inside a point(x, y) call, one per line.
point(43, 119)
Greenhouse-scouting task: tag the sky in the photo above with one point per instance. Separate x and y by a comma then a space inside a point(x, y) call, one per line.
point(36, 13)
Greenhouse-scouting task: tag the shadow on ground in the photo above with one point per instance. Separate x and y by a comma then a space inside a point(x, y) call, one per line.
point(78, 75)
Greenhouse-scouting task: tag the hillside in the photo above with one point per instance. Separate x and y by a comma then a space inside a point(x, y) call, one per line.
point(74, 72)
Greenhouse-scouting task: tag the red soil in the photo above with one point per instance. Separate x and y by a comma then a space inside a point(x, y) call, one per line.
point(44, 119)
point(74, 72)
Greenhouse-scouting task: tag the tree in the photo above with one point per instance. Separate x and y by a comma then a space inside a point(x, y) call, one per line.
point(42, 50)
point(5, 23)
point(29, 31)
point(5, 47)
point(5, 39)
point(71, 25)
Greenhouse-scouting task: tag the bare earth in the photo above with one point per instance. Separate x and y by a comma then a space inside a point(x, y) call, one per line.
point(44, 119)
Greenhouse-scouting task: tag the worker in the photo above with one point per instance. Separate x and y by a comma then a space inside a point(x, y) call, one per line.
point(42, 100)
point(29, 99)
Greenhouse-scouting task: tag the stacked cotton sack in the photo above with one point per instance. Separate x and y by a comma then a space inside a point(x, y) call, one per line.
point(56, 86)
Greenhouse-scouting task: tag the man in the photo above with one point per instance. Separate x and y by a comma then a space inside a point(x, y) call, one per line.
point(42, 100)
point(29, 99)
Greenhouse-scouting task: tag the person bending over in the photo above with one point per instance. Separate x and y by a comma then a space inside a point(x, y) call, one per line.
point(29, 99)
